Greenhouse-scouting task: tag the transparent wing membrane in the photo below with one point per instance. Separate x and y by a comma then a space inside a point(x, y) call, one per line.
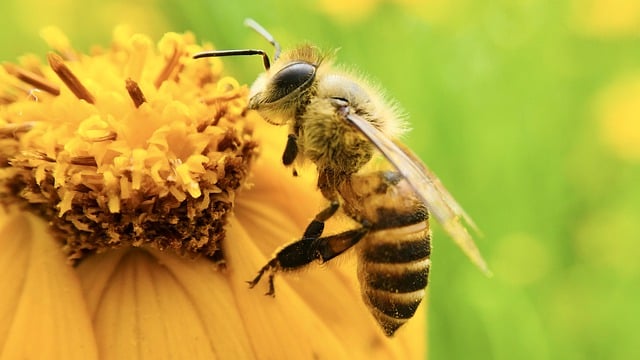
point(444, 208)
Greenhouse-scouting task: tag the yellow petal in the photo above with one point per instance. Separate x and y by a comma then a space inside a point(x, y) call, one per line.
point(42, 311)
point(155, 305)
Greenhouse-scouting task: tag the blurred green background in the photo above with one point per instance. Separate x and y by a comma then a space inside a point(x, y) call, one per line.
point(529, 111)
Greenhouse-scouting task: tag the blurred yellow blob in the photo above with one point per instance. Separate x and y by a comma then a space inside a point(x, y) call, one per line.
point(606, 18)
point(618, 112)
point(34, 14)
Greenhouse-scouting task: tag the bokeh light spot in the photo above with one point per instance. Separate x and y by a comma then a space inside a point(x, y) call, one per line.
point(618, 111)
point(606, 18)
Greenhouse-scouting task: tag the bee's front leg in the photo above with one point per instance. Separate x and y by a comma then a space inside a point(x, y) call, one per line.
point(290, 150)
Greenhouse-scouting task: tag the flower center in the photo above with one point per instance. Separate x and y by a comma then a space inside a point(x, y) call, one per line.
point(130, 146)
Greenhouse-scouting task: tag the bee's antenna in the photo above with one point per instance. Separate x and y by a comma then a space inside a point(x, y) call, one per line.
point(242, 52)
point(265, 57)
point(265, 34)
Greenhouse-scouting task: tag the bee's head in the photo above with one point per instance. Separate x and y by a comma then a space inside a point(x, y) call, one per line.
point(280, 90)
point(277, 92)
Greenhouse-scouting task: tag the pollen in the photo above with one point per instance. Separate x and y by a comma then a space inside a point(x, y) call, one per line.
point(135, 144)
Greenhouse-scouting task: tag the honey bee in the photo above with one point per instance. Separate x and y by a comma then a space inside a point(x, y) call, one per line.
point(339, 123)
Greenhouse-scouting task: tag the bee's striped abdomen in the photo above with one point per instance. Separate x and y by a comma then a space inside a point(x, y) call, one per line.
point(393, 269)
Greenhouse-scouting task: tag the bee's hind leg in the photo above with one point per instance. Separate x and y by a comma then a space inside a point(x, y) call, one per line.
point(270, 267)
point(300, 253)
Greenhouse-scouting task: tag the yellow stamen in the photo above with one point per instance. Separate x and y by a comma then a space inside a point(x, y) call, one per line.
point(135, 93)
point(83, 161)
point(66, 75)
point(13, 130)
point(32, 78)
point(169, 67)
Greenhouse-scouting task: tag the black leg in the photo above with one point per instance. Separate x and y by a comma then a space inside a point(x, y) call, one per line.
point(299, 249)
point(290, 150)
point(304, 251)
point(328, 247)
point(316, 227)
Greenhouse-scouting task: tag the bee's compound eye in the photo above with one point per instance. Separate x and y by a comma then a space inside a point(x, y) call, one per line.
point(295, 76)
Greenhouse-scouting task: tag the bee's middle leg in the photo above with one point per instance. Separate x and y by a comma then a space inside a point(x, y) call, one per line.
point(316, 226)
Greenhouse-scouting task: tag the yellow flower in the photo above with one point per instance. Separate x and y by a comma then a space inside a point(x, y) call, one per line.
point(134, 206)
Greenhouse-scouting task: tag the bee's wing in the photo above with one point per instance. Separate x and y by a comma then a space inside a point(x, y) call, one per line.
point(427, 185)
